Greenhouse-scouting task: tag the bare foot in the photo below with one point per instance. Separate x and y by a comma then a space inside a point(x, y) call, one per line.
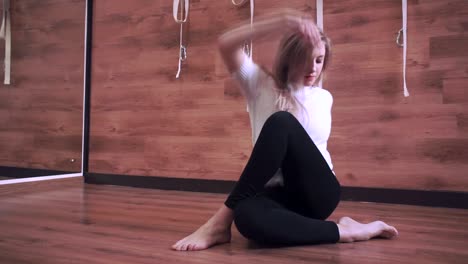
point(351, 230)
point(206, 236)
point(216, 231)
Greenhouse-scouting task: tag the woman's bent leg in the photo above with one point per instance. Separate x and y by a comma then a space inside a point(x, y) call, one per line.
point(265, 221)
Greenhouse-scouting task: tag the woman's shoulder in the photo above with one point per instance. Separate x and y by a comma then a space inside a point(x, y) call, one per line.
point(264, 73)
point(321, 91)
point(322, 95)
point(266, 80)
point(254, 79)
point(253, 71)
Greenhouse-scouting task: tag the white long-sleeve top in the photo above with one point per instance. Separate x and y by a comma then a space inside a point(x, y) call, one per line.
point(258, 89)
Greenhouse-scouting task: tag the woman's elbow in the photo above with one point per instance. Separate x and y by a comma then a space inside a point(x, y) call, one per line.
point(223, 45)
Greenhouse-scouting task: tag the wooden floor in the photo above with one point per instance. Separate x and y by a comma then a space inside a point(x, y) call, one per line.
point(112, 224)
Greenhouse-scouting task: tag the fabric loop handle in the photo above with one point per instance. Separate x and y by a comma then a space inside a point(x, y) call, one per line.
point(242, 2)
point(185, 12)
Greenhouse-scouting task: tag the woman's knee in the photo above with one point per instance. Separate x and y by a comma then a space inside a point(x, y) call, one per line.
point(282, 115)
point(247, 217)
point(244, 211)
point(280, 118)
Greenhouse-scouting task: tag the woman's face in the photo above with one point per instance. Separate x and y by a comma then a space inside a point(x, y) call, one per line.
point(314, 66)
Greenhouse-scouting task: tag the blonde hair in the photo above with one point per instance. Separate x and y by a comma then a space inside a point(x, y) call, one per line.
point(294, 51)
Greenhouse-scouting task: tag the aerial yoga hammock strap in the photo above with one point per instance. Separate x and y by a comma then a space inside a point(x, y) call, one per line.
point(404, 45)
point(184, 4)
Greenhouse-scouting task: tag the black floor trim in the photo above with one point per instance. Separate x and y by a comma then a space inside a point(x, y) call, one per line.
point(378, 195)
point(404, 196)
point(16, 172)
point(163, 183)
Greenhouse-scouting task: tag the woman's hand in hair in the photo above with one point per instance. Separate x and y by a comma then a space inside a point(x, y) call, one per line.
point(301, 22)
point(310, 31)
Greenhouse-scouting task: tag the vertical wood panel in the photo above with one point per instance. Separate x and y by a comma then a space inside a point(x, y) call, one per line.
point(379, 138)
point(41, 111)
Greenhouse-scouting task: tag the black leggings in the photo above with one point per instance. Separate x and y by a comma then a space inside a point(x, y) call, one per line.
point(295, 213)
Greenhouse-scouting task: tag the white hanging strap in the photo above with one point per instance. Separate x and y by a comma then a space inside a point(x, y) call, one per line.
point(5, 33)
point(184, 4)
point(248, 49)
point(405, 20)
point(182, 53)
point(252, 9)
point(319, 7)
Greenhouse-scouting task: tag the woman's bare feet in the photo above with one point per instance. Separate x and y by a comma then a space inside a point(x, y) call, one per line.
point(216, 231)
point(351, 230)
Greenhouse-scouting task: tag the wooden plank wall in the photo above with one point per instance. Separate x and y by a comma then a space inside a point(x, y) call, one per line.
point(41, 111)
point(146, 122)
point(380, 138)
